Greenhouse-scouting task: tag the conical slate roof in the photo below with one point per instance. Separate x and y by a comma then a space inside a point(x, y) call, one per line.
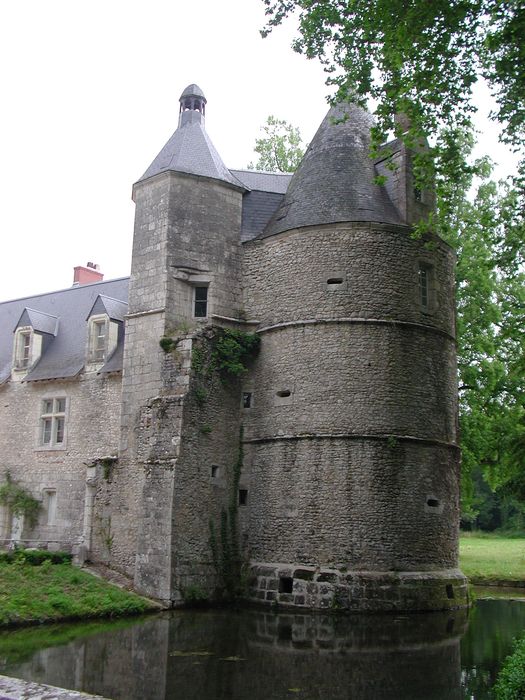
point(335, 180)
point(190, 150)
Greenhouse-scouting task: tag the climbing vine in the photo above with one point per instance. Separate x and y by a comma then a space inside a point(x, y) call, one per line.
point(231, 353)
point(19, 501)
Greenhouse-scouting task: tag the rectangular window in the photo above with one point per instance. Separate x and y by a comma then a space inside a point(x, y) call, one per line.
point(26, 349)
point(247, 399)
point(23, 349)
point(99, 340)
point(53, 422)
point(50, 505)
point(424, 286)
point(201, 302)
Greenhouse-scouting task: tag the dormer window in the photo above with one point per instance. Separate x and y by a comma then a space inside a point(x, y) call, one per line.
point(33, 333)
point(105, 329)
point(98, 339)
point(23, 344)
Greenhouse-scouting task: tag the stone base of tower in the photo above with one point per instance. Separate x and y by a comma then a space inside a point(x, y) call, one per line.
point(305, 587)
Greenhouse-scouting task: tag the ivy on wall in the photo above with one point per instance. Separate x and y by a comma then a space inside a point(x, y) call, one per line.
point(19, 501)
point(231, 353)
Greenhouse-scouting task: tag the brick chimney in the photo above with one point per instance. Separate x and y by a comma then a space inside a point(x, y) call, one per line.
point(87, 275)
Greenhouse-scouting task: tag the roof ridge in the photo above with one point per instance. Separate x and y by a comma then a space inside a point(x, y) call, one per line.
point(43, 313)
point(64, 289)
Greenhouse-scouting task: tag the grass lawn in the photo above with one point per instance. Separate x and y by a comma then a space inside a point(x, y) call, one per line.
point(491, 558)
point(60, 591)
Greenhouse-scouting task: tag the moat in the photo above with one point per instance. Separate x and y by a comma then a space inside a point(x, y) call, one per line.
point(254, 655)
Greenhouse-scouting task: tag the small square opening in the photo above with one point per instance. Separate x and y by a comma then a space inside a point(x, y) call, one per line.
point(215, 471)
point(285, 584)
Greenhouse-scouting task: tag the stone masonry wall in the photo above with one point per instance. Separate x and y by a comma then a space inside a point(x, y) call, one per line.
point(186, 235)
point(351, 451)
point(286, 276)
point(92, 431)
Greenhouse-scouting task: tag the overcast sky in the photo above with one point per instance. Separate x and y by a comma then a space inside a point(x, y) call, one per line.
point(90, 95)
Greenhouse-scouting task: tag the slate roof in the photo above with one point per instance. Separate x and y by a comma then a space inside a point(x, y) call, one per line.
point(40, 322)
point(257, 210)
point(64, 355)
point(114, 308)
point(263, 181)
point(335, 180)
point(190, 150)
point(265, 193)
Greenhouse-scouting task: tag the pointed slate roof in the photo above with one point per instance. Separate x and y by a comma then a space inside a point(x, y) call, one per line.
point(114, 308)
point(335, 180)
point(39, 321)
point(190, 150)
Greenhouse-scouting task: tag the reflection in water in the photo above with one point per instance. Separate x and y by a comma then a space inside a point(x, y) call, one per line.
point(493, 625)
point(253, 655)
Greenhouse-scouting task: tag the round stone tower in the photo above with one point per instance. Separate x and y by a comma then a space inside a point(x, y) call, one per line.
point(351, 455)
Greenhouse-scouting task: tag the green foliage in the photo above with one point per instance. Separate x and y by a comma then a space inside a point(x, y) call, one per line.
point(206, 429)
point(488, 234)
point(35, 557)
point(510, 683)
point(167, 344)
point(418, 58)
point(230, 355)
point(281, 148)
point(19, 501)
point(43, 593)
point(233, 351)
point(392, 442)
point(194, 595)
point(200, 395)
point(198, 360)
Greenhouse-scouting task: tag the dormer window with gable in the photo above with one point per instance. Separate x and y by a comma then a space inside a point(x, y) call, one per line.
point(105, 329)
point(32, 335)
point(98, 339)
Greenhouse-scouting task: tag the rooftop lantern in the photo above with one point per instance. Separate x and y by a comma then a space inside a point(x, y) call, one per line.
point(192, 101)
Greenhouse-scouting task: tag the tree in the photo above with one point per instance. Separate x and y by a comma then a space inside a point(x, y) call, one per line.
point(419, 58)
point(488, 235)
point(281, 149)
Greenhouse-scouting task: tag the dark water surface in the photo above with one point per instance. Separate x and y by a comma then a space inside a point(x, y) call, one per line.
point(253, 655)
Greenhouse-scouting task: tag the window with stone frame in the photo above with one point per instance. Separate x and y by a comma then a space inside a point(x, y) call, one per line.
point(53, 422)
point(98, 339)
point(50, 506)
point(200, 302)
point(425, 286)
point(23, 347)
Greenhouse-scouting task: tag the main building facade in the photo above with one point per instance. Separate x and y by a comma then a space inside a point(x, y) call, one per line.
point(323, 469)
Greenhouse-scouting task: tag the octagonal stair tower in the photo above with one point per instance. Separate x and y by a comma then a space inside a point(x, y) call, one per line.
point(351, 455)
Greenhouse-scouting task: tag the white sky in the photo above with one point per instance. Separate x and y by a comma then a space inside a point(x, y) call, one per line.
point(90, 95)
